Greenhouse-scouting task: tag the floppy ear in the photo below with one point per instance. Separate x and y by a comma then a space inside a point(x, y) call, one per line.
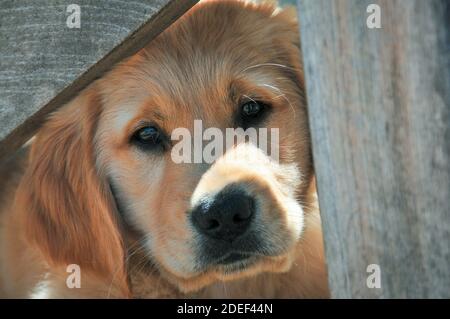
point(289, 39)
point(67, 208)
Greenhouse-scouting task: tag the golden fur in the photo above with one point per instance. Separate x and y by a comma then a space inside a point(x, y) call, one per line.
point(65, 211)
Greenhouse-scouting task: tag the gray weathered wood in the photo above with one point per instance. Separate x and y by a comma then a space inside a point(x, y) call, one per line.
point(379, 105)
point(43, 63)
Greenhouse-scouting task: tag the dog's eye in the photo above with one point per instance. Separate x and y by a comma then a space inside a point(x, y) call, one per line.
point(252, 109)
point(148, 135)
point(251, 113)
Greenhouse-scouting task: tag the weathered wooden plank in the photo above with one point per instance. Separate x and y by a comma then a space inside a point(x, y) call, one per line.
point(379, 107)
point(44, 63)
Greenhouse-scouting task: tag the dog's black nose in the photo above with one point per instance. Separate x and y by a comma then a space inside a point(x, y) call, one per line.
point(226, 216)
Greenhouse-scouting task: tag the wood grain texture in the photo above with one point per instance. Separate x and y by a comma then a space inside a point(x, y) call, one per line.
point(379, 108)
point(43, 63)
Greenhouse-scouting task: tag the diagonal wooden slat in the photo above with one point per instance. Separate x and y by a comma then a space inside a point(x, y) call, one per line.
point(44, 63)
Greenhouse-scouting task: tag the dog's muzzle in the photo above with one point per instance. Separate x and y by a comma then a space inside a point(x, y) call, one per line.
point(227, 224)
point(241, 212)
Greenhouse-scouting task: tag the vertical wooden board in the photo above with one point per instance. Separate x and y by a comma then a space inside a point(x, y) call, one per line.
point(44, 63)
point(379, 108)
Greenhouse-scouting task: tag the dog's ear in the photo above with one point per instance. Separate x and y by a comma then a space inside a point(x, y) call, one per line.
point(290, 55)
point(67, 208)
point(288, 38)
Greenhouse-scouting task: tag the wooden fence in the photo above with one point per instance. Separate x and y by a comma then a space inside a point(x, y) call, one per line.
point(379, 108)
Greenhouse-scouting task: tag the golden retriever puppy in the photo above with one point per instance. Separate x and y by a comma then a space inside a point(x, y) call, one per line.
point(103, 189)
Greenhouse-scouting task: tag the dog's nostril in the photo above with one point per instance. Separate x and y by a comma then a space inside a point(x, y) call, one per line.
point(204, 222)
point(237, 219)
point(243, 215)
point(212, 224)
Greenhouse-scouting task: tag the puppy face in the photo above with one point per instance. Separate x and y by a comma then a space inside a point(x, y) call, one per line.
point(107, 156)
point(198, 222)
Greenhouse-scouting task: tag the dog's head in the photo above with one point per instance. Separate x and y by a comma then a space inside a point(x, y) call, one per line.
point(108, 156)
